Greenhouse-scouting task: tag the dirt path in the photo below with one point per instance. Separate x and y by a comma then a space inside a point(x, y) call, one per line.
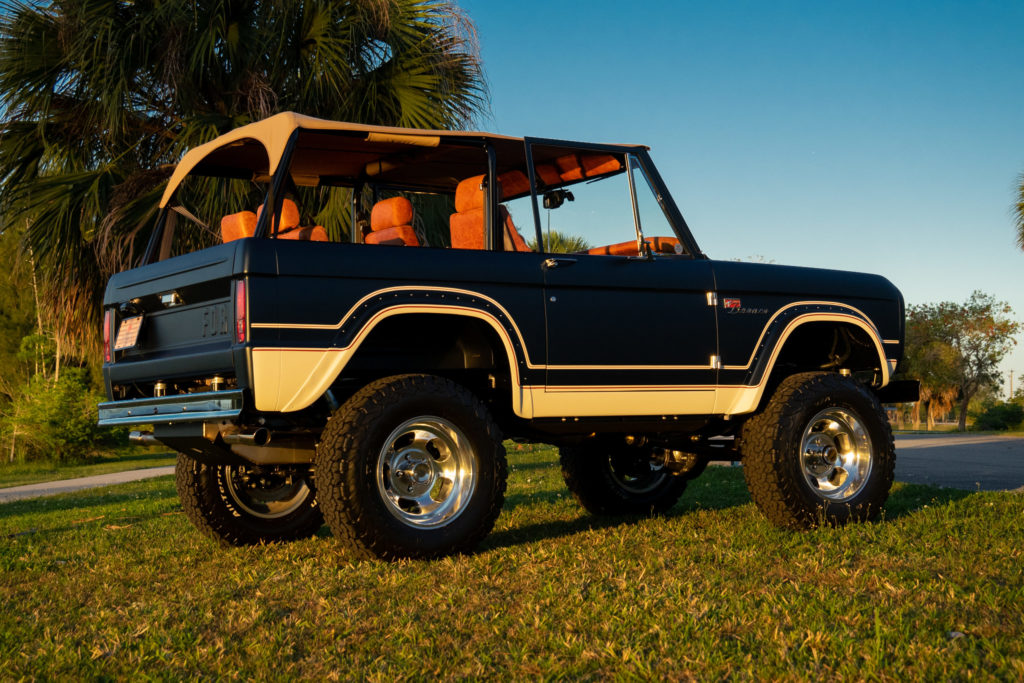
point(50, 488)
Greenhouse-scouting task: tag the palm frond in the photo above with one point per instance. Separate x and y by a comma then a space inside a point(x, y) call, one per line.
point(98, 97)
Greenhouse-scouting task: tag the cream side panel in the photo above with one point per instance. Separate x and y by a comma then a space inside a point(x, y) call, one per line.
point(266, 375)
point(287, 380)
point(291, 379)
point(737, 400)
point(586, 402)
point(307, 375)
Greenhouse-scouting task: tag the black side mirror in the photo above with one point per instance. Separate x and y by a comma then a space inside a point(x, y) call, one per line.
point(555, 198)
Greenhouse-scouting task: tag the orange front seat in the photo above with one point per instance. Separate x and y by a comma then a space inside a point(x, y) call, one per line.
point(467, 225)
point(391, 223)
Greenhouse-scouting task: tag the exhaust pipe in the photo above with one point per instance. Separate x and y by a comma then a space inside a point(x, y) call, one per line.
point(143, 438)
point(261, 437)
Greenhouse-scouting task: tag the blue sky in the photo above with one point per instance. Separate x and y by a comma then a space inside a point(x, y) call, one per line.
point(886, 137)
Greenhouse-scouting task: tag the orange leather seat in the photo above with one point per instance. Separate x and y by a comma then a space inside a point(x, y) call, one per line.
point(548, 175)
point(235, 226)
point(569, 168)
point(467, 225)
point(572, 167)
point(659, 245)
point(289, 229)
point(599, 164)
point(391, 223)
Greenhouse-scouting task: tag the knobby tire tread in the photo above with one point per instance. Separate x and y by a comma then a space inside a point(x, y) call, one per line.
point(767, 442)
point(346, 504)
point(204, 503)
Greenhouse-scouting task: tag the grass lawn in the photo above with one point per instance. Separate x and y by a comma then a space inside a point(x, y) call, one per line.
point(115, 583)
point(119, 460)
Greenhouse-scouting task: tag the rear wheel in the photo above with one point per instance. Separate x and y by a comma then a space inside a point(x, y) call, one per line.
point(248, 504)
point(411, 466)
point(609, 479)
point(821, 451)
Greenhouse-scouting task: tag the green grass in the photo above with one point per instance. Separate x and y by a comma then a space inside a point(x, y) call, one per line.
point(117, 460)
point(114, 583)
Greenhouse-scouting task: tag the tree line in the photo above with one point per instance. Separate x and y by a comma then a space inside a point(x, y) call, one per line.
point(955, 349)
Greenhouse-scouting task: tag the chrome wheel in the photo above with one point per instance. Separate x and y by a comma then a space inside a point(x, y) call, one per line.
point(835, 454)
point(426, 472)
point(635, 473)
point(266, 492)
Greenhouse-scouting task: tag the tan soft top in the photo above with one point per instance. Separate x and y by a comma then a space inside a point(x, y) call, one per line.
point(273, 133)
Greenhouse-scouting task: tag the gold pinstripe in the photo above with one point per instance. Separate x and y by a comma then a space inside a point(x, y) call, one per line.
point(529, 401)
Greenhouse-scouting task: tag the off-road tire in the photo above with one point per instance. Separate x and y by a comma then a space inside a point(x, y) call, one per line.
point(590, 477)
point(771, 443)
point(353, 445)
point(211, 506)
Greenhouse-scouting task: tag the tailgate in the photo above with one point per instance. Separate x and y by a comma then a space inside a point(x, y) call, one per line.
point(186, 340)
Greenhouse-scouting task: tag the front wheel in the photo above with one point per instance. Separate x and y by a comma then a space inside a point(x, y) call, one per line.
point(609, 479)
point(411, 466)
point(248, 504)
point(821, 451)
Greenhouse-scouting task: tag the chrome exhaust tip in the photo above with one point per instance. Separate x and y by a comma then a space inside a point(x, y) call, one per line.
point(261, 437)
point(143, 439)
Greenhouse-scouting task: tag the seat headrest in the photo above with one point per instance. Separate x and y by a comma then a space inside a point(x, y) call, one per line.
point(289, 216)
point(391, 213)
point(235, 226)
point(513, 184)
point(569, 167)
point(469, 194)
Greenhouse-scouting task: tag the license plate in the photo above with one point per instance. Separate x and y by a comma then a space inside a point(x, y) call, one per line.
point(128, 333)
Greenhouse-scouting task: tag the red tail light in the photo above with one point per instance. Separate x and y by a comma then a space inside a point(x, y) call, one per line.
point(107, 322)
point(240, 308)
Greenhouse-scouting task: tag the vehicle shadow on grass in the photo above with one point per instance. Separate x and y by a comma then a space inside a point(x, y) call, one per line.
point(906, 499)
point(721, 490)
point(724, 490)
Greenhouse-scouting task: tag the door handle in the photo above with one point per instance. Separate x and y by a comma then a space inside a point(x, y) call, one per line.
point(556, 262)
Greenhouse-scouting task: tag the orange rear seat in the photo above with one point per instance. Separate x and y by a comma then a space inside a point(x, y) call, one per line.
point(289, 229)
point(391, 223)
point(235, 226)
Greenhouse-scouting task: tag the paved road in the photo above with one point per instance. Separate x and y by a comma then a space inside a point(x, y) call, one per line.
point(50, 488)
point(989, 463)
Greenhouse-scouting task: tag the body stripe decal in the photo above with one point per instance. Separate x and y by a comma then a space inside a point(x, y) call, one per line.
point(282, 388)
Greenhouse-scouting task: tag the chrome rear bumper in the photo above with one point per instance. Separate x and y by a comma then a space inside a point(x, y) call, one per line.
point(202, 407)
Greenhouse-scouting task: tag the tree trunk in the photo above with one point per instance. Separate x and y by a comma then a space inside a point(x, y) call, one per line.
point(917, 415)
point(962, 425)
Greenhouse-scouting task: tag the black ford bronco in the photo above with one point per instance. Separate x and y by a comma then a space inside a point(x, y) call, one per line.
point(343, 322)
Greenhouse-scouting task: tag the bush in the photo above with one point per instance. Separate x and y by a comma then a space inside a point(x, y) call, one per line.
point(1000, 417)
point(53, 419)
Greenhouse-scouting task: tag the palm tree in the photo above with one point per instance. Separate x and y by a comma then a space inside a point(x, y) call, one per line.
point(99, 98)
point(561, 243)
